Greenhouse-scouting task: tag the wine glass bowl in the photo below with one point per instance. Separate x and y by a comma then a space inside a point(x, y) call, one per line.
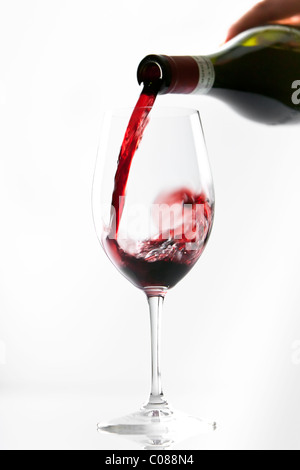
point(156, 231)
point(168, 213)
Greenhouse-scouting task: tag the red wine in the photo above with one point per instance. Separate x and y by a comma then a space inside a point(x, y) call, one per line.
point(133, 136)
point(164, 260)
point(257, 73)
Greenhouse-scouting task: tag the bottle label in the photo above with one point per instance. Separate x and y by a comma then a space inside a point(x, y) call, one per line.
point(207, 75)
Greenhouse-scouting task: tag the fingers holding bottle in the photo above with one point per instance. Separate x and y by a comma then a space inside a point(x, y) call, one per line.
point(267, 11)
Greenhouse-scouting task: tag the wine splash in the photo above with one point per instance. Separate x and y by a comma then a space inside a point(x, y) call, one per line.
point(180, 240)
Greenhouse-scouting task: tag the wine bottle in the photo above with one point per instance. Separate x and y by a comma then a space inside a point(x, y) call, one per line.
point(257, 73)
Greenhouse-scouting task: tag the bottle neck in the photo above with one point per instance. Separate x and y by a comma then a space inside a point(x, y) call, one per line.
point(178, 74)
point(191, 74)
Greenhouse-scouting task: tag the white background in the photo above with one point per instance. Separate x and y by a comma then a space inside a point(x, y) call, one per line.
point(74, 339)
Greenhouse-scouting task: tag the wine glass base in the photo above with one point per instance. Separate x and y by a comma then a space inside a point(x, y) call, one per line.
point(157, 428)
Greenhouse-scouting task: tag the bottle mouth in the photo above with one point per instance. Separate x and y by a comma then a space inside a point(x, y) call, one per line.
point(154, 70)
point(150, 72)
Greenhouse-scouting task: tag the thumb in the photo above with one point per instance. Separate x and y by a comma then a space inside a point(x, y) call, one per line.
point(260, 14)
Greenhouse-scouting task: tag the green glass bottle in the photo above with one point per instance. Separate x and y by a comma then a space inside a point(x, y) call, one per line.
point(257, 73)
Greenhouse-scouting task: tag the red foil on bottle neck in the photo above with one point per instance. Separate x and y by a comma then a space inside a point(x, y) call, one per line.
point(185, 74)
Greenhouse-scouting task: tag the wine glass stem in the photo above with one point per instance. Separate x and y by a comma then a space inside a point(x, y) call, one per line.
point(156, 306)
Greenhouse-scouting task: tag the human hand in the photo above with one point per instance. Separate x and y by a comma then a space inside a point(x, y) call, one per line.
point(268, 11)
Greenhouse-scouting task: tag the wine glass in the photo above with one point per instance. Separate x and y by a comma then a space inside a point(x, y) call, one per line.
point(166, 220)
